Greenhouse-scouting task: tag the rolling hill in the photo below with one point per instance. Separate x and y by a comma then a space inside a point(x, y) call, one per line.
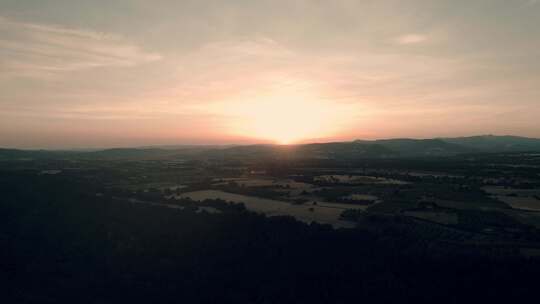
point(384, 148)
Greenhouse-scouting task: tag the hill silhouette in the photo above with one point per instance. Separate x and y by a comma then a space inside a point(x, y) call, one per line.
point(383, 148)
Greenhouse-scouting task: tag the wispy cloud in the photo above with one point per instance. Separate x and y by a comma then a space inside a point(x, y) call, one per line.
point(29, 49)
point(410, 39)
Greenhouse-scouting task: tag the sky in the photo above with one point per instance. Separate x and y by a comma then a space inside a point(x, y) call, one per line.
point(106, 73)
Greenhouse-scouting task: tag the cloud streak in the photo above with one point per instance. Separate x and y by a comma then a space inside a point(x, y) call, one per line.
point(410, 39)
point(29, 49)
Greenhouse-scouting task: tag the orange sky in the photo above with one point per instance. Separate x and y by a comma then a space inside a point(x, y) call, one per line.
point(92, 74)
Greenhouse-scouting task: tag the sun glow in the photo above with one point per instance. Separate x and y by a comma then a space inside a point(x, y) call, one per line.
point(286, 117)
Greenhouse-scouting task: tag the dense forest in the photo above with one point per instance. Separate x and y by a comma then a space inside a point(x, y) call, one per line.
point(63, 240)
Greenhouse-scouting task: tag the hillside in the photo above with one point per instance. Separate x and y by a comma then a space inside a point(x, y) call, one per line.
point(497, 143)
point(384, 148)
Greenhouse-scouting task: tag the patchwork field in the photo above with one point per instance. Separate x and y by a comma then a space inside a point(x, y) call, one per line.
point(324, 213)
point(358, 179)
point(526, 199)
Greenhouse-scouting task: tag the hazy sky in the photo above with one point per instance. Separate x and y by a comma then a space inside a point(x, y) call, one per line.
point(132, 72)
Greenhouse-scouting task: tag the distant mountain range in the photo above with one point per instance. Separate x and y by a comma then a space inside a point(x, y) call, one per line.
point(384, 148)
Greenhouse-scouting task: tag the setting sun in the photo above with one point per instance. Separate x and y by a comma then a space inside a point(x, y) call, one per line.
point(285, 116)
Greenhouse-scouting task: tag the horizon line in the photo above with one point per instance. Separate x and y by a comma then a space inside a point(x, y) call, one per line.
point(261, 143)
